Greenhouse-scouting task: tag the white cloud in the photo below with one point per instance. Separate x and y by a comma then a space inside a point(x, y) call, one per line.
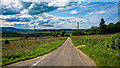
point(46, 19)
point(91, 13)
point(11, 7)
point(100, 12)
point(25, 16)
point(25, 11)
point(74, 12)
point(58, 3)
point(83, 6)
point(11, 24)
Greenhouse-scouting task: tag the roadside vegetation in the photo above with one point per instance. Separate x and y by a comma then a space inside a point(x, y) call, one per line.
point(102, 29)
point(102, 43)
point(103, 49)
point(28, 48)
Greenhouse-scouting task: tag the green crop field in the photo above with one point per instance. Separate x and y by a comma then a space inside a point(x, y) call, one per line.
point(28, 48)
point(103, 49)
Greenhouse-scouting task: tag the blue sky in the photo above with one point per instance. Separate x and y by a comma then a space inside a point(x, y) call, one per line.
point(56, 14)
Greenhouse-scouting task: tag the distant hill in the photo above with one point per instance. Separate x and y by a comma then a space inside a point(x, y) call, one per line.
point(11, 30)
point(14, 30)
point(58, 30)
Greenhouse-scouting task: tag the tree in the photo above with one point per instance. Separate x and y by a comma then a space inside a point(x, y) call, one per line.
point(68, 35)
point(117, 27)
point(63, 33)
point(102, 27)
point(56, 34)
point(51, 34)
point(78, 33)
point(111, 28)
point(102, 23)
point(93, 30)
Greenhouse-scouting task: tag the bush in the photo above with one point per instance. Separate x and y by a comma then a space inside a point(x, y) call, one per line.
point(25, 37)
point(21, 38)
point(6, 41)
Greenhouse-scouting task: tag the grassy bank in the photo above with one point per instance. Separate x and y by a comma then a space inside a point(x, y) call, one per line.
point(103, 49)
point(26, 49)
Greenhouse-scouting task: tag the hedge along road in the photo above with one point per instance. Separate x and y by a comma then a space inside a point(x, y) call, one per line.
point(65, 55)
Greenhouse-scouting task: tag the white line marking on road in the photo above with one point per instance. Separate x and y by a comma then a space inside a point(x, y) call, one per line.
point(36, 63)
point(39, 61)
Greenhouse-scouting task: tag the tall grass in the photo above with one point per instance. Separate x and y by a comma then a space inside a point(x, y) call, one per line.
point(101, 49)
point(39, 50)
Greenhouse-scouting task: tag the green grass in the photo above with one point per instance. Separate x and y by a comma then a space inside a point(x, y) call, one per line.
point(26, 51)
point(99, 48)
point(10, 38)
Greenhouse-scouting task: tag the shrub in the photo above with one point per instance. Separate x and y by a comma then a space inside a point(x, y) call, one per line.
point(25, 37)
point(6, 41)
point(21, 38)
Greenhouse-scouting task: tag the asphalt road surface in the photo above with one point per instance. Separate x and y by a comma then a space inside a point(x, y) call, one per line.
point(65, 55)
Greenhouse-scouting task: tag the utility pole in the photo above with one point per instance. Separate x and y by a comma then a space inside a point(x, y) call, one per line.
point(35, 32)
point(77, 25)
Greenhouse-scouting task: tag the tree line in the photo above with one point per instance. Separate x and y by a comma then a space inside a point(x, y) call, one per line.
point(57, 34)
point(102, 29)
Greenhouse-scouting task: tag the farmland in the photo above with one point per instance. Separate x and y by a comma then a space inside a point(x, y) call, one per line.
point(10, 38)
point(19, 50)
point(103, 49)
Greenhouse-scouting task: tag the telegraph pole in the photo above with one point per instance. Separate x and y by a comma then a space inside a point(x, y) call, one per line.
point(77, 25)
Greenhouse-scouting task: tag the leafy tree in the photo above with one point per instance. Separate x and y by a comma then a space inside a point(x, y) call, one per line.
point(51, 34)
point(68, 35)
point(93, 30)
point(56, 34)
point(79, 32)
point(111, 28)
point(102, 27)
point(63, 33)
point(117, 27)
point(102, 23)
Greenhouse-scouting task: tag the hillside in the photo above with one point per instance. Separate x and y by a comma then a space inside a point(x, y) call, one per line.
point(14, 30)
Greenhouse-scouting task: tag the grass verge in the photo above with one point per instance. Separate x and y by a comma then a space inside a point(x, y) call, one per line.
point(104, 50)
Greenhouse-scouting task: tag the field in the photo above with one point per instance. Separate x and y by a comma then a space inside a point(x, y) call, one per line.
point(19, 50)
point(10, 38)
point(103, 49)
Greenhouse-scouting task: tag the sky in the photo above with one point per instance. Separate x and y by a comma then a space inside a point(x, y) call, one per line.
point(54, 14)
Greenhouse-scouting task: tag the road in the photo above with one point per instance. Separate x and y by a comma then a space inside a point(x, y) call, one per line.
point(65, 55)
